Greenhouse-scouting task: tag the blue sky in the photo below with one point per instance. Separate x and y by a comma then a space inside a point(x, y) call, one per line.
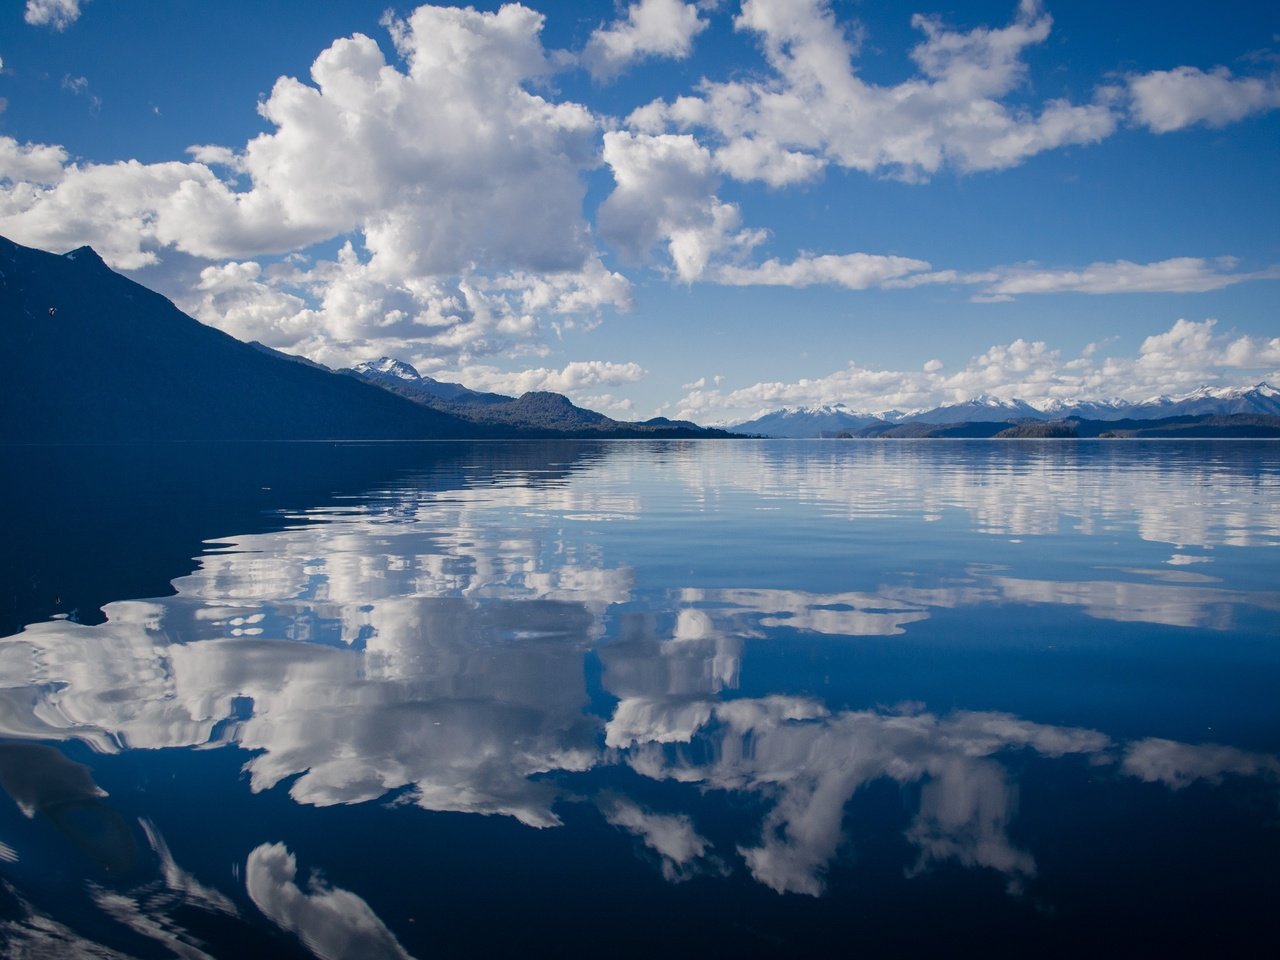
point(698, 209)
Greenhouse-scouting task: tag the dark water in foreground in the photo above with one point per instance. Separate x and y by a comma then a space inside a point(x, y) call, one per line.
point(638, 699)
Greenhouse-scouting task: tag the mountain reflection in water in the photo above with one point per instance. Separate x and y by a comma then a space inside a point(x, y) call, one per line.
point(724, 654)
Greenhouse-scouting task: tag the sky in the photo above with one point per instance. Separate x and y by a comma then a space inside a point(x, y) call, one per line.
point(700, 210)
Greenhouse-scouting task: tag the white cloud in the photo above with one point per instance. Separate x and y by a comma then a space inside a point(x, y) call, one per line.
point(30, 164)
point(56, 14)
point(233, 297)
point(371, 147)
point(816, 109)
point(335, 924)
point(1187, 355)
point(663, 28)
point(1167, 100)
point(665, 194)
point(620, 408)
point(570, 292)
point(860, 271)
point(464, 189)
point(853, 271)
point(1176, 275)
point(342, 311)
point(759, 158)
point(572, 378)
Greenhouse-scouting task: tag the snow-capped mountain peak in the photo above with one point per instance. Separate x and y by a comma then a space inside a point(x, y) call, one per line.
point(828, 419)
point(389, 367)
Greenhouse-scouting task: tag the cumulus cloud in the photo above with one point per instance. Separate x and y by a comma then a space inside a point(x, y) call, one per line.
point(573, 377)
point(1187, 355)
point(620, 408)
point(463, 190)
point(445, 164)
point(351, 308)
point(665, 194)
point(652, 28)
point(1167, 100)
point(815, 109)
point(335, 924)
point(56, 14)
point(30, 164)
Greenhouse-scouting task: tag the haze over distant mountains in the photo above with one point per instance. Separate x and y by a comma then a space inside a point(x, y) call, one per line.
point(830, 420)
point(92, 356)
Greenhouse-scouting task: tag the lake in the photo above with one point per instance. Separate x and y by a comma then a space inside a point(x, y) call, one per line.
point(743, 698)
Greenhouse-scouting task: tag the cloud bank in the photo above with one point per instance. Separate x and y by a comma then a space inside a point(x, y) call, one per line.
point(1187, 355)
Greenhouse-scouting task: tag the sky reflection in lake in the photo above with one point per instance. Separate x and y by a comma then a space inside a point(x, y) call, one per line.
point(725, 657)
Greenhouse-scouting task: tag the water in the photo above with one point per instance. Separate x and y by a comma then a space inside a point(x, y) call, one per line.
point(749, 698)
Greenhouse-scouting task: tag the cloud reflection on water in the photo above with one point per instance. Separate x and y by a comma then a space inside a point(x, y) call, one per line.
point(435, 645)
point(335, 924)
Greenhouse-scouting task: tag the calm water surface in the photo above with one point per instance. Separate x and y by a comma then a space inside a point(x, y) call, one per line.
point(637, 699)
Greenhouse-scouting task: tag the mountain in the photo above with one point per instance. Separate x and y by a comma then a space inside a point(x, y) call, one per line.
point(981, 408)
point(402, 378)
point(95, 357)
point(1262, 399)
point(800, 422)
point(540, 412)
point(291, 357)
point(92, 356)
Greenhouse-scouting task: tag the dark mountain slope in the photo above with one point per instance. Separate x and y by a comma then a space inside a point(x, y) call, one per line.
point(92, 356)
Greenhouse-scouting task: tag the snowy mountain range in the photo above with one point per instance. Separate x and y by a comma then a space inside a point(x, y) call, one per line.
point(832, 419)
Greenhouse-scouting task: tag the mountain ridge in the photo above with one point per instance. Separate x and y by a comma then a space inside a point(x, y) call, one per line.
point(538, 409)
point(95, 357)
point(831, 419)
